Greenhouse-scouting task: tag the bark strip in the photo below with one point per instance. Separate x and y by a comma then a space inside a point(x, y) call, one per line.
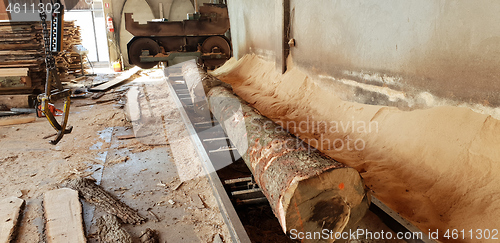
point(96, 195)
point(111, 231)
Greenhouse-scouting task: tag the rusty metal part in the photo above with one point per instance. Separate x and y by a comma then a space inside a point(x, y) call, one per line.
point(135, 51)
point(216, 45)
point(214, 20)
point(236, 230)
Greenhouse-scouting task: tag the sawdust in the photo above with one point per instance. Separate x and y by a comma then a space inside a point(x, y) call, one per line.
point(159, 113)
point(30, 166)
point(437, 167)
point(118, 160)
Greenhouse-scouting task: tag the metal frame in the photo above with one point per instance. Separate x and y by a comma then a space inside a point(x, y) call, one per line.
point(229, 215)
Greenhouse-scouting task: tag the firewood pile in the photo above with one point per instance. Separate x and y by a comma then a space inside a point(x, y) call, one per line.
point(21, 46)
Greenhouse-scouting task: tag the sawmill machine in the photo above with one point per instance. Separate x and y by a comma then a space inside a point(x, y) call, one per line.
point(201, 35)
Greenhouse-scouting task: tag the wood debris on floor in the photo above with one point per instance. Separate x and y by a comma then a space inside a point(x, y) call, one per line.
point(115, 165)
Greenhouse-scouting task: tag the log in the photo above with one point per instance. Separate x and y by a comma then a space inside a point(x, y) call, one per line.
point(96, 195)
point(109, 230)
point(199, 82)
point(307, 190)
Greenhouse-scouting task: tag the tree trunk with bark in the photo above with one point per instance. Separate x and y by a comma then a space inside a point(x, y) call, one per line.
point(307, 190)
point(199, 83)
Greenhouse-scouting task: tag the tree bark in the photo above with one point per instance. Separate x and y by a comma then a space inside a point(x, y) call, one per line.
point(96, 195)
point(109, 230)
point(199, 83)
point(307, 190)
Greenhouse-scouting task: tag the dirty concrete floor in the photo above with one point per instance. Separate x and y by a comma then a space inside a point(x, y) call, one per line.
point(142, 173)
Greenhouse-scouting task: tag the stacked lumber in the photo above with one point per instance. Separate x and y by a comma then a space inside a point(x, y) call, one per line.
point(21, 46)
point(68, 61)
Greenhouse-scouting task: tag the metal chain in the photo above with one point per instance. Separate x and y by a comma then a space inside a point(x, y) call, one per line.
point(49, 59)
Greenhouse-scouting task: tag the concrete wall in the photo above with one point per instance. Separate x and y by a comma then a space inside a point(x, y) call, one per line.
point(253, 27)
point(424, 50)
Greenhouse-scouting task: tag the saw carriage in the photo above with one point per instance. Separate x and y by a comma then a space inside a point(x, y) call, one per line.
point(202, 35)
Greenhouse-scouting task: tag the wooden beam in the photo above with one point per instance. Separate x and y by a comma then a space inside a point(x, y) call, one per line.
point(10, 212)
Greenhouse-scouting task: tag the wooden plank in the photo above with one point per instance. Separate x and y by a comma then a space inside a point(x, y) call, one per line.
point(10, 210)
point(17, 101)
point(16, 90)
point(63, 214)
point(24, 39)
point(20, 46)
point(12, 62)
point(19, 53)
point(16, 121)
point(13, 72)
point(19, 65)
point(124, 76)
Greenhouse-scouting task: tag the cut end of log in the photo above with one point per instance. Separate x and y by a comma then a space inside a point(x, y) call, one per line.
point(327, 201)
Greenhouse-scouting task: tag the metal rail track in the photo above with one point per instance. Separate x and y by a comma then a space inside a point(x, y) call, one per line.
point(229, 215)
point(216, 151)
